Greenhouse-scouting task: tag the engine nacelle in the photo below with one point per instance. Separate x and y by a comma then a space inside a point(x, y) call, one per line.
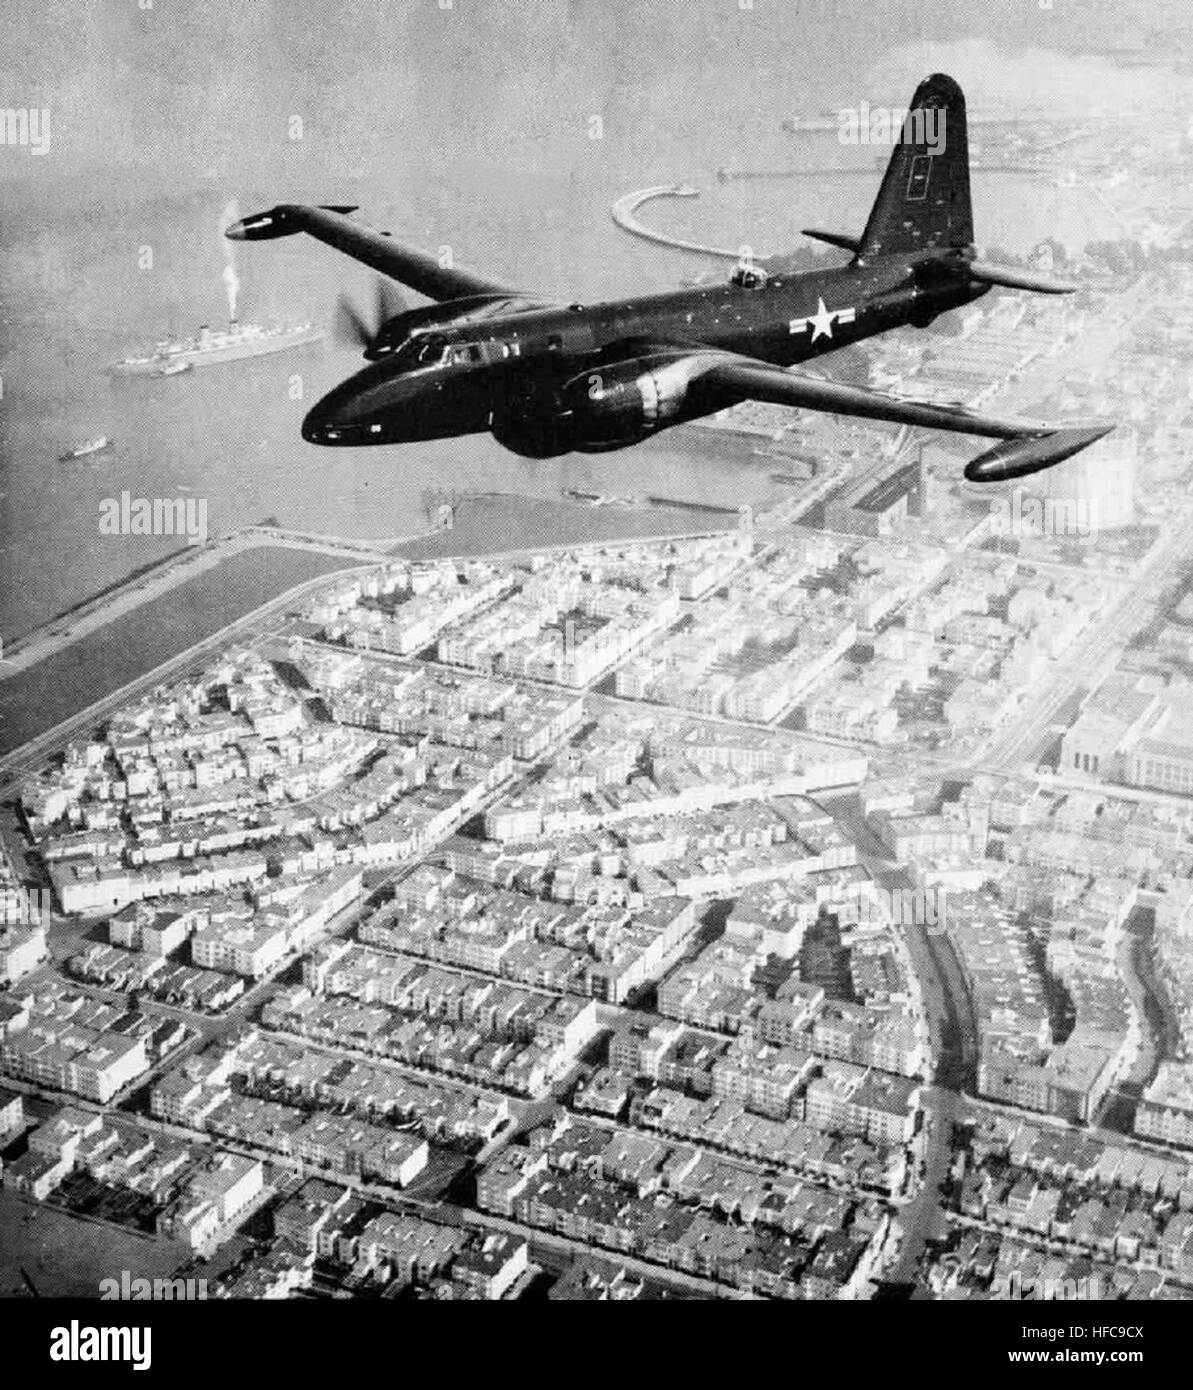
point(608, 406)
point(543, 436)
point(624, 402)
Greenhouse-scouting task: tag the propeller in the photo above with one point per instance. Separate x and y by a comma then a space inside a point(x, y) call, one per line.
point(352, 328)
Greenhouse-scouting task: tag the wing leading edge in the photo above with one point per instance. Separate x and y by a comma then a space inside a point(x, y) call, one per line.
point(420, 272)
point(1025, 448)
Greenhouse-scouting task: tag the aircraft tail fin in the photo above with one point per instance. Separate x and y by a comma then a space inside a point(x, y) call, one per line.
point(923, 203)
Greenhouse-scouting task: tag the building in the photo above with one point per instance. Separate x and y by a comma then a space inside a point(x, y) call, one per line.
point(53, 1149)
point(304, 1218)
point(22, 949)
point(490, 1269)
point(1069, 1081)
point(12, 1114)
point(1098, 485)
point(156, 931)
point(1165, 1111)
point(230, 1181)
point(244, 948)
point(1114, 719)
point(107, 1065)
point(855, 1100)
point(871, 508)
point(217, 1197)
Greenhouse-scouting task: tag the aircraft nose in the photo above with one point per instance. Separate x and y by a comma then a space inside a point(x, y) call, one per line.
point(319, 426)
point(314, 428)
point(336, 419)
point(378, 405)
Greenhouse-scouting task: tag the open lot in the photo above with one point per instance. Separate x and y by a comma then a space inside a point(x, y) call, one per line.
point(67, 1256)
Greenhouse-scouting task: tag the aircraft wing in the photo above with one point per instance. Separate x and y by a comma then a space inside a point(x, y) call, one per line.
point(1026, 447)
point(423, 273)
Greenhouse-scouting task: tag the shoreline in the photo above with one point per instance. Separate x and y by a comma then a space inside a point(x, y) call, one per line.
point(157, 577)
point(656, 517)
point(181, 608)
point(139, 641)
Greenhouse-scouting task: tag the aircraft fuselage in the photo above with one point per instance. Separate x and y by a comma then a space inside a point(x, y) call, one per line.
point(520, 361)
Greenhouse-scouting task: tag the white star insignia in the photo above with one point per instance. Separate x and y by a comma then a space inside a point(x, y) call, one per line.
point(822, 320)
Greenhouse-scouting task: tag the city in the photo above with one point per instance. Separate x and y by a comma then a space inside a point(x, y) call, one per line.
point(793, 911)
point(546, 790)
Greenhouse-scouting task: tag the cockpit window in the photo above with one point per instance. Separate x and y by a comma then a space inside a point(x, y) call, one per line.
point(422, 350)
point(464, 353)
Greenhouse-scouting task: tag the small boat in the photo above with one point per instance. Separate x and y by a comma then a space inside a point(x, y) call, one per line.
point(92, 446)
point(175, 367)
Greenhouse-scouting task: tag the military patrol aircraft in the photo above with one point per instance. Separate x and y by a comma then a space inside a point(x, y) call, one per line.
point(548, 378)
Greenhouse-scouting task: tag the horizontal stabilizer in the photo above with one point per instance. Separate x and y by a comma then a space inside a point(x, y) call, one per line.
point(846, 243)
point(1015, 279)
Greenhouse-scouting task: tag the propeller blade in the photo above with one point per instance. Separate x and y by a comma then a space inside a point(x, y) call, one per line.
point(351, 328)
point(390, 301)
point(348, 327)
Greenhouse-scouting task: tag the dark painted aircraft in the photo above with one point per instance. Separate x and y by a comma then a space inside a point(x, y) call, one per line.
point(548, 378)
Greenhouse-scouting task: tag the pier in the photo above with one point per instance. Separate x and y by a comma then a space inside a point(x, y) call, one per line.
point(624, 212)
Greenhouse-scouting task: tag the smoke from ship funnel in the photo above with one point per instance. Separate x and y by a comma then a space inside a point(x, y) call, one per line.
point(232, 285)
point(231, 279)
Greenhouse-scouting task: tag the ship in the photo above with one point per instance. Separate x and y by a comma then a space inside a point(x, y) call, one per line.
point(212, 346)
point(92, 446)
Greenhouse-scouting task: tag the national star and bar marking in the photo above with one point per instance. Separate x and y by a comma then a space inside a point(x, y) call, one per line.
point(822, 320)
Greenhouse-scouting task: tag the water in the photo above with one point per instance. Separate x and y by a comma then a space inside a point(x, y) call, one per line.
point(37, 698)
point(160, 119)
